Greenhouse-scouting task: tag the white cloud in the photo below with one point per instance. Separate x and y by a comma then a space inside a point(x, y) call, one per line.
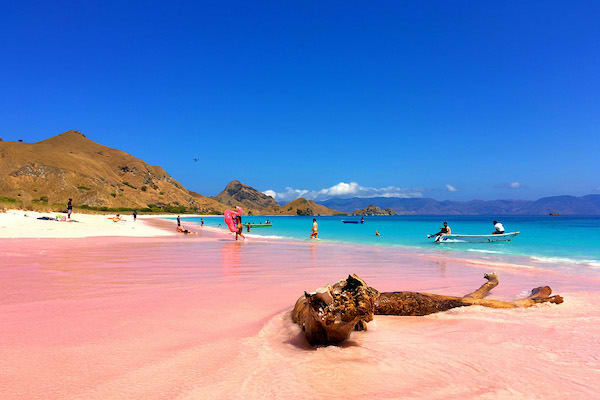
point(343, 189)
point(451, 188)
point(514, 185)
point(270, 193)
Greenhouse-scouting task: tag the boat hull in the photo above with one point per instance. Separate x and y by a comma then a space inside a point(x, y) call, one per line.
point(505, 237)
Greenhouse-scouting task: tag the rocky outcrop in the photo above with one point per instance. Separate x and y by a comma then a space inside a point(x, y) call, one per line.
point(238, 194)
point(374, 210)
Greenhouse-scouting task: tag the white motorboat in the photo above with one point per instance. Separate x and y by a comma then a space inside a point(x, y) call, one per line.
point(502, 237)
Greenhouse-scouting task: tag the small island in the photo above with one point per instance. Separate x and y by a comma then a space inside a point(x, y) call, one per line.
point(374, 210)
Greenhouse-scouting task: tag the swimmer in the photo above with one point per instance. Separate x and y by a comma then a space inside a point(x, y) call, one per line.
point(377, 233)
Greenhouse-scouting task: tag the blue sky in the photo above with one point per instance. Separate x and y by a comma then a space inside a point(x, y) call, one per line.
point(451, 100)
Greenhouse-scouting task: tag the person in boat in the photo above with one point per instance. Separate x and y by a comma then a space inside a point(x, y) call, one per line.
point(498, 228)
point(315, 230)
point(444, 230)
point(239, 227)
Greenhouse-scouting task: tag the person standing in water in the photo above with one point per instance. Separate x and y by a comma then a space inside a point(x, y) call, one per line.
point(201, 222)
point(315, 230)
point(134, 215)
point(239, 227)
point(69, 208)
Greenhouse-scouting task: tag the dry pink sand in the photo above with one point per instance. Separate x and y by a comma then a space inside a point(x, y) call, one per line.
point(207, 318)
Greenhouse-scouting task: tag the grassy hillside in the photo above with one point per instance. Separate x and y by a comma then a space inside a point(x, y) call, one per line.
point(47, 173)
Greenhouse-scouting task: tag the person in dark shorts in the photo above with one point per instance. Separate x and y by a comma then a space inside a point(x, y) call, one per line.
point(134, 215)
point(178, 221)
point(69, 208)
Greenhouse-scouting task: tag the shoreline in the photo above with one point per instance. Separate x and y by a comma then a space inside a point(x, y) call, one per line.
point(500, 260)
point(13, 225)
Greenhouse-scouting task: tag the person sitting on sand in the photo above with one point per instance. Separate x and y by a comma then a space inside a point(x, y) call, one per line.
point(187, 232)
point(498, 228)
point(239, 227)
point(116, 218)
point(315, 230)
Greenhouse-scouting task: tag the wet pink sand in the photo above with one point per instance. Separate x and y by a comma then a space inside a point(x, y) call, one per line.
point(207, 318)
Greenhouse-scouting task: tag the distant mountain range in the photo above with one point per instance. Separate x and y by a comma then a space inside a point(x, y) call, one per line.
point(564, 205)
point(47, 173)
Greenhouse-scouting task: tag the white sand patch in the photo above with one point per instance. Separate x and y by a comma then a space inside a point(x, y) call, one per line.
point(25, 224)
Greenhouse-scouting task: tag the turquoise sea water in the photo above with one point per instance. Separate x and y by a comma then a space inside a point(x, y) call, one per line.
point(546, 238)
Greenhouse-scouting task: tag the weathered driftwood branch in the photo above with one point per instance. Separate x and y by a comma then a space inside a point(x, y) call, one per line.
point(329, 315)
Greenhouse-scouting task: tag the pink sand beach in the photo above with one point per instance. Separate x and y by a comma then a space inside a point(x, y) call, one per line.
point(205, 317)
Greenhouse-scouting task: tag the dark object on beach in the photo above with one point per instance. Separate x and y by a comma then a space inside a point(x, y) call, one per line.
point(331, 313)
point(47, 219)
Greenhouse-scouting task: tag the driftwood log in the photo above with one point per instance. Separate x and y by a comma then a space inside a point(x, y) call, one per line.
point(331, 313)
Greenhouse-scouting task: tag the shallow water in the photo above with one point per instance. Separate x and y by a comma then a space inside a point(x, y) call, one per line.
point(207, 318)
point(548, 239)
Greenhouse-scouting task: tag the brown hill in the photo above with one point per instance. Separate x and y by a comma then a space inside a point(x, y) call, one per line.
point(70, 165)
point(301, 206)
point(257, 203)
point(253, 201)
